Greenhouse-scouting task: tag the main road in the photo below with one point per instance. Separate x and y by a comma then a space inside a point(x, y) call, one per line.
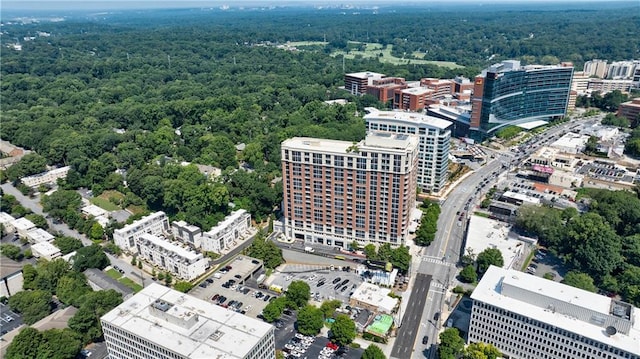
point(440, 259)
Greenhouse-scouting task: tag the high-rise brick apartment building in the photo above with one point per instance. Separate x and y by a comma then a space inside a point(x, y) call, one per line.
point(509, 94)
point(337, 192)
point(433, 149)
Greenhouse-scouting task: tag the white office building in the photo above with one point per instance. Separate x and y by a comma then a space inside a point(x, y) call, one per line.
point(39, 235)
point(46, 250)
point(433, 149)
point(227, 232)
point(528, 317)
point(49, 177)
point(6, 221)
point(156, 223)
point(162, 323)
point(22, 226)
point(179, 261)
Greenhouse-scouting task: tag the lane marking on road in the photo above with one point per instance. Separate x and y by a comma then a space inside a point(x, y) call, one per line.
point(436, 291)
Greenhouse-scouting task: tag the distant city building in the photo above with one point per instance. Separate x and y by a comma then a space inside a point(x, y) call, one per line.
point(384, 88)
point(596, 68)
point(441, 88)
point(336, 192)
point(235, 227)
point(49, 177)
point(356, 83)
point(156, 223)
point(412, 98)
point(580, 82)
point(604, 86)
point(509, 94)
point(434, 142)
point(181, 262)
point(527, 317)
point(462, 88)
point(630, 110)
point(622, 69)
point(162, 323)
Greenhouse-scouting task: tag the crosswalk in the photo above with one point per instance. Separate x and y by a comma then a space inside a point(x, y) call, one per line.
point(436, 260)
point(437, 285)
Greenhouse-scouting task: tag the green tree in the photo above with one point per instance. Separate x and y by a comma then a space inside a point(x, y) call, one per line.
point(401, 259)
point(267, 251)
point(71, 287)
point(93, 305)
point(343, 330)
point(25, 345)
point(329, 306)
point(113, 249)
point(60, 344)
point(468, 274)
point(298, 293)
point(67, 244)
point(451, 344)
point(11, 251)
point(29, 275)
point(273, 310)
point(373, 352)
point(29, 164)
point(183, 286)
point(32, 304)
point(38, 220)
point(60, 202)
point(579, 280)
point(481, 351)
point(92, 256)
point(488, 257)
point(370, 251)
point(310, 320)
point(96, 231)
point(168, 279)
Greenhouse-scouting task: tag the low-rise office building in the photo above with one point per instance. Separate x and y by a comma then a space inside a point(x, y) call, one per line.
point(11, 279)
point(173, 258)
point(225, 234)
point(6, 221)
point(46, 250)
point(371, 297)
point(22, 226)
point(49, 177)
point(156, 223)
point(162, 323)
point(529, 317)
point(39, 235)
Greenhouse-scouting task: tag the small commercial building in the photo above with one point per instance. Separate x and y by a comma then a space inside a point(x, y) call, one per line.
point(6, 221)
point(376, 299)
point(46, 250)
point(49, 177)
point(99, 280)
point(11, 279)
point(22, 226)
point(93, 211)
point(39, 235)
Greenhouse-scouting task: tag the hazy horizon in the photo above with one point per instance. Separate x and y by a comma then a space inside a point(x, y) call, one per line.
point(71, 5)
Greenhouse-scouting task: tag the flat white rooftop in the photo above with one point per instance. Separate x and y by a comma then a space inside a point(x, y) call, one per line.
point(93, 210)
point(39, 235)
point(539, 298)
point(366, 75)
point(571, 140)
point(6, 218)
point(375, 296)
point(170, 247)
point(45, 249)
point(488, 233)
point(373, 141)
point(532, 124)
point(414, 118)
point(215, 332)
point(136, 224)
point(23, 224)
point(227, 221)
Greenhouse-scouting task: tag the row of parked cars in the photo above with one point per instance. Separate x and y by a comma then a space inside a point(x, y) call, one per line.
point(298, 346)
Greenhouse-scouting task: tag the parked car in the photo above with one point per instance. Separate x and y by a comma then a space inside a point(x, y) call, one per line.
point(425, 340)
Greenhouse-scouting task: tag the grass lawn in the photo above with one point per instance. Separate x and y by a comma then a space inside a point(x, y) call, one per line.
point(136, 209)
point(375, 49)
point(114, 274)
point(131, 284)
point(104, 204)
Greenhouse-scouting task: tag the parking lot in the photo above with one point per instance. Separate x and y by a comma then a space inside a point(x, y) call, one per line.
point(9, 320)
point(546, 263)
point(324, 283)
point(231, 291)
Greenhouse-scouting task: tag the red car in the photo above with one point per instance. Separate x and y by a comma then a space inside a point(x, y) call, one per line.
point(332, 346)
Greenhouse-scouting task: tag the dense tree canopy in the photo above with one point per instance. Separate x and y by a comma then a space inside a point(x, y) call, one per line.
point(343, 330)
point(92, 256)
point(298, 293)
point(579, 280)
point(488, 257)
point(33, 305)
point(310, 320)
point(267, 251)
point(92, 306)
point(373, 352)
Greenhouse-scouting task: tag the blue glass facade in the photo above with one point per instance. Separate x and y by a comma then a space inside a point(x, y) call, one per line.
point(522, 95)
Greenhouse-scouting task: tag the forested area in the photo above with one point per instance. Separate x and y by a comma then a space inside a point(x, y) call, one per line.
point(602, 243)
point(143, 92)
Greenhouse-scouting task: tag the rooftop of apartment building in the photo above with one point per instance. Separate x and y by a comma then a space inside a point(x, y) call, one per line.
point(373, 140)
point(413, 117)
point(191, 327)
point(591, 315)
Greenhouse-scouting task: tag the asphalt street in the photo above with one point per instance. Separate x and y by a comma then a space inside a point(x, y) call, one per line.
point(441, 258)
point(411, 320)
